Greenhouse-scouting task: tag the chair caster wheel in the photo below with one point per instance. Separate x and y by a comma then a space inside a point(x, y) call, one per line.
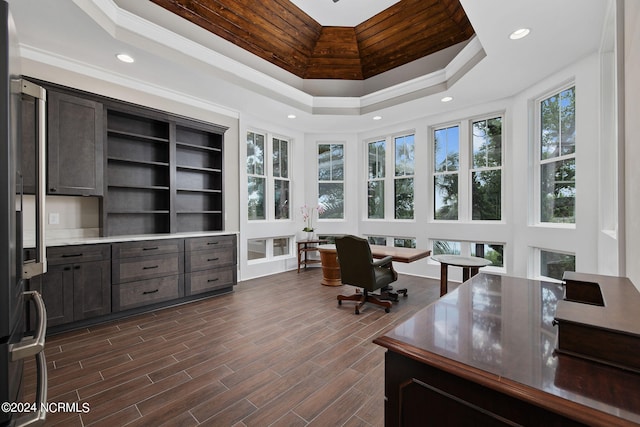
point(339, 302)
point(386, 310)
point(357, 311)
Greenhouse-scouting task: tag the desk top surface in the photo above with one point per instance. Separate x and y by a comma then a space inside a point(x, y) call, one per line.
point(498, 331)
point(398, 254)
point(461, 261)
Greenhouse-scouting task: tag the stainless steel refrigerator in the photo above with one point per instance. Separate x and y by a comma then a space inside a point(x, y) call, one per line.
point(22, 313)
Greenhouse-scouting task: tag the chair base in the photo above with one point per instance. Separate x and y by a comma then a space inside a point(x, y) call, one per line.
point(382, 300)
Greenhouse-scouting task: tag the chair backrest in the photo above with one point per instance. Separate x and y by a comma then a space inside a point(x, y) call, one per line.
point(354, 256)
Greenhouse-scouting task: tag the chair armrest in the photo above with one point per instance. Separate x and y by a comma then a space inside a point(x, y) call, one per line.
point(382, 261)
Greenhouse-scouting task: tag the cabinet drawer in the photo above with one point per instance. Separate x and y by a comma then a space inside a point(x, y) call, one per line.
point(204, 260)
point(211, 242)
point(148, 247)
point(77, 253)
point(131, 269)
point(145, 292)
point(209, 280)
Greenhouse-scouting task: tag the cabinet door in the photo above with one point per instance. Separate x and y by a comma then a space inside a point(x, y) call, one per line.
point(57, 292)
point(75, 145)
point(91, 289)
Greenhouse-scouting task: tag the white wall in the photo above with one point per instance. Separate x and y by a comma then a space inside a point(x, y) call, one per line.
point(632, 137)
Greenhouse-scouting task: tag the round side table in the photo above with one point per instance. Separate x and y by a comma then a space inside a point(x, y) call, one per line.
point(470, 266)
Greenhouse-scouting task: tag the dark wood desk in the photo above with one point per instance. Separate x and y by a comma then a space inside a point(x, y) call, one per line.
point(484, 355)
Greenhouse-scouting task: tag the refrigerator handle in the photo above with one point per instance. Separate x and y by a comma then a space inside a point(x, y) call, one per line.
point(40, 266)
point(37, 417)
point(32, 346)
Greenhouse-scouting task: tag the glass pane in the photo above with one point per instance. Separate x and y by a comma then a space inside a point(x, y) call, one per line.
point(330, 162)
point(331, 196)
point(337, 162)
point(487, 143)
point(549, 127)
point(256, 249)
point(441, 247)
point(280, 246)
point(377, 159)
point(377, 240)
point(405, 155)
point(375, 199)
point(281, 202)
point(446, 149)
point(280, 158)
point(255, 190)
point(493, 253)
point(324, 162)
point(404, 198)
point(486, 195)
point(554, 264)
point(558, 191)
point(446, 196)
point(255, 153)
point(399, 242)
point(568, 121)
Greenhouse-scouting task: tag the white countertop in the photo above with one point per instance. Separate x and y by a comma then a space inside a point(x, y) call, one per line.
point(89, 240)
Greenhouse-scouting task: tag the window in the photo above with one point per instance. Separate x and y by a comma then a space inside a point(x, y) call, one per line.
point(442, 247)
point(256, 176)
point(404, 164)
point(331, 180)
point(486, 171)
point(489, 251)
point(256, 249)
point(402, 242)
point(554, 264)
point(280, 246)
point(375, 184)
point(377, 240)
point(281, 178)
point(557, 118)
point(445, 177)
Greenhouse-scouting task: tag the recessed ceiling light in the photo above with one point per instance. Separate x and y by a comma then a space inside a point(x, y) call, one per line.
point(447, 99)
point(518, 34)
point(377, 117)
point(125, 58)
point(291, 116)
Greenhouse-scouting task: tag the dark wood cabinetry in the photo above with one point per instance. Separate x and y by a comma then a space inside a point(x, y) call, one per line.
point(74, 145)
point(147, 272)
point(164, 174)
point(77, 284)
point(198, 179)
point(138, 175)
point(210, 264)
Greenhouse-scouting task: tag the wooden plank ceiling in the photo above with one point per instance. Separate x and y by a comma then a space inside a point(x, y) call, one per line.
point(281, 33)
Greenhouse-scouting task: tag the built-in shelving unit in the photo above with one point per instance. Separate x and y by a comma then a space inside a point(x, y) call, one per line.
point(164, 175)
point(138, 175)
point(198, 179)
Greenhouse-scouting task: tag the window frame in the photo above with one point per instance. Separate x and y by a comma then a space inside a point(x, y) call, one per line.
point(435, 173)
point(539, 162)
point(341, 182)
point(472, 169)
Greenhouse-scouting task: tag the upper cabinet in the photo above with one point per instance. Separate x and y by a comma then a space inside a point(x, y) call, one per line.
point(75, 145)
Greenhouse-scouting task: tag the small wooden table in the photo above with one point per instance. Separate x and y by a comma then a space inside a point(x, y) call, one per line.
point(470, 266)
point(306, 246)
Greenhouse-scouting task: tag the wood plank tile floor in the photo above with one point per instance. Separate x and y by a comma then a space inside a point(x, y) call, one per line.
point(278, 351)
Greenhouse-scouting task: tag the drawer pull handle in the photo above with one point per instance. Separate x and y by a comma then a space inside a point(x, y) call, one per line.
point(151, 249)
point(150, 292)
point(150, 267)
point(214, 259)
point(212, 243)
point(71, 255)
point(213, 280)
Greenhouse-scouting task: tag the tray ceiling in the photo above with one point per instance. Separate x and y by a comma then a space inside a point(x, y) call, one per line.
point(283, 34)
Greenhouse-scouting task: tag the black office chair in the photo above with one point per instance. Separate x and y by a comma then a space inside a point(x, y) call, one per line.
point(358, 268)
